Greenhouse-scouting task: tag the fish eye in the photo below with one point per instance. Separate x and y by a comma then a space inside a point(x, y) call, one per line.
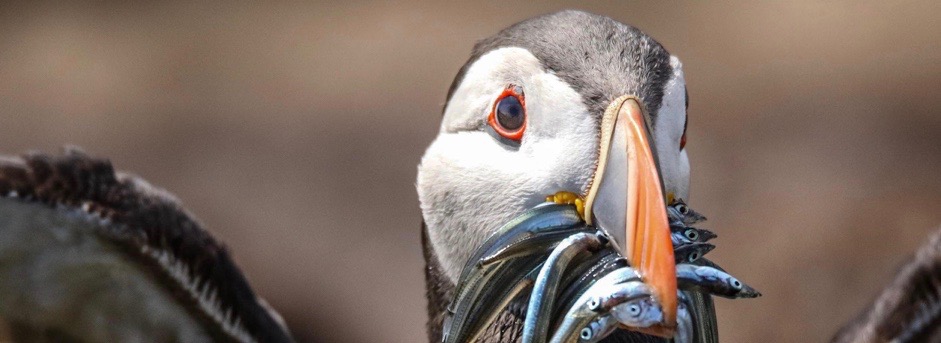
point(694, 256)
point(736, 284)
point(508, 116)
point(682, 208)
point(692, 234)
point(585, 334)
point(633, 309)
point(594, 304)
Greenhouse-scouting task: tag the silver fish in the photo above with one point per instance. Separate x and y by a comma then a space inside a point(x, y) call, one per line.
point(536, 325)
point(710, 280)
point(691, 252)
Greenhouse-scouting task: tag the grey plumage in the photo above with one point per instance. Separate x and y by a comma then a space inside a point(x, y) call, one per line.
point(598, 56)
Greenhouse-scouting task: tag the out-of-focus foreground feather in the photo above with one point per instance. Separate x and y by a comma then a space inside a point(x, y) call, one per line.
point(909, 308)
point(91, 255)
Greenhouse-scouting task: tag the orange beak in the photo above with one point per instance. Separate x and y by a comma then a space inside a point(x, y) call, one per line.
point(626, 199)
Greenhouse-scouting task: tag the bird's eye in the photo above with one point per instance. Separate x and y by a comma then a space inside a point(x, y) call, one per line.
point(508, 117)
point(585, 334)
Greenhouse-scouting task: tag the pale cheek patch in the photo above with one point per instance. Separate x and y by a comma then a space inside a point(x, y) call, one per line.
point(467, 187)
point(674, 166)
point(682, 189)
point(470, 183)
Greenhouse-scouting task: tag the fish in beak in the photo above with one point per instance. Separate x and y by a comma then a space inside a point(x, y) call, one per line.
point(621, 221)
point(626, 199)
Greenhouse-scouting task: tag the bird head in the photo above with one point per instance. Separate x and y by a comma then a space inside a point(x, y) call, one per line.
point(569, 104)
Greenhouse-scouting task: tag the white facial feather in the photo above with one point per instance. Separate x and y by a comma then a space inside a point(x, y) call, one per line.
point(674, 163)
point(469, 183)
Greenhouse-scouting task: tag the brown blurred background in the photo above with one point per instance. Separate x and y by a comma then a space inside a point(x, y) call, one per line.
point(293, 131)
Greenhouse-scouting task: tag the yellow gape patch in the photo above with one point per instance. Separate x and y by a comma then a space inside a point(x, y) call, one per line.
point(569, 198)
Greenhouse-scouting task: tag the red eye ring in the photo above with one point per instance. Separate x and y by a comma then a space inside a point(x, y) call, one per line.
point(515, 134)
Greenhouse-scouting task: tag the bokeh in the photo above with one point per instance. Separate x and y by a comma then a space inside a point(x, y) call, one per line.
point(293, 132)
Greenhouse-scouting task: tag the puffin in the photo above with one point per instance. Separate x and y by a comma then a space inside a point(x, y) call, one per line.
point(572, 106)
point(90, 254)
point(571, 109)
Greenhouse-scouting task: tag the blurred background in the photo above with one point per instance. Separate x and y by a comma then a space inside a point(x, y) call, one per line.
point(293, 132)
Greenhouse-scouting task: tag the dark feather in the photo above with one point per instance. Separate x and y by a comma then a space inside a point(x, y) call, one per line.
point(909, 309)
point(143, 223)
